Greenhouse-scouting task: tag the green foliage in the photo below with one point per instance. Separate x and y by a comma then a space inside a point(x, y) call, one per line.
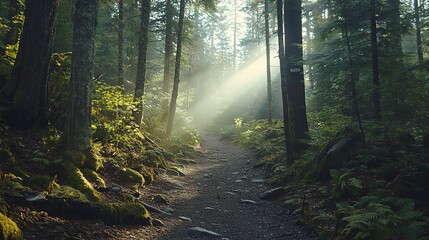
point(8, 229)
point(344, 184)
point(378, 217)
point(58, 88)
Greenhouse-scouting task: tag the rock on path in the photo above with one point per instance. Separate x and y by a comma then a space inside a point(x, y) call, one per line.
point(216, 180)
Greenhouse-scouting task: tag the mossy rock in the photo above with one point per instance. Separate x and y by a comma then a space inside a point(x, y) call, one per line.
point(160, 198)
point(93, 177)
point(177, 169)
point(131, 177)
point(8, 229)
point(147, 174)
point(42, 183)
point(336, 153)
point(120, 213)
point(10, 184)
point(70, 193)
point(75, 178)
point(89, 159)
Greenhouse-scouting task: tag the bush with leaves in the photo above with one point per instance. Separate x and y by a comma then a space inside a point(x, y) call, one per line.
point(344, 185)
point(381, 217)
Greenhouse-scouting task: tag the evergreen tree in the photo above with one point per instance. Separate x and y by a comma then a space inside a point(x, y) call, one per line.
point(26, 91)
point(77, 132)
point(294, 68)
point(142, 59)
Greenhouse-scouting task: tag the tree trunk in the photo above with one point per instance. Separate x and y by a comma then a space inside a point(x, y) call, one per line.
point(77, 132)
point(141, 65)
point(294, 69)
point(175, 92)
point(376, 97)
point(268, 55)
point(11, 37)
point(286, 125)
point(27, 88)
point(121, 43)
point(418, 31)
point(168, 51)
point(353, 74)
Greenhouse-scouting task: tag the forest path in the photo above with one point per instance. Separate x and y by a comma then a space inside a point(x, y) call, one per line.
point(212, 192)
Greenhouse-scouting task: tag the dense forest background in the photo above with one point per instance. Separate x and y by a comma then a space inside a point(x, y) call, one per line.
point(340, 110)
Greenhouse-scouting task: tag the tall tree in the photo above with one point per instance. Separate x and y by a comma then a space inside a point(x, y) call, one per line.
point(376, 97)
point(294, 68)
point(168, 45)
point(141, 66)
point(121, 53)
point(286, 116)
point(26, 91)
point(354, 73)
point(77, 131)
point(418, 31)
point(175, 93)
point(268, 57)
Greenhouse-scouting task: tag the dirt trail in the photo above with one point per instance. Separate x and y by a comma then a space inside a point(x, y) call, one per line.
point(212, 194)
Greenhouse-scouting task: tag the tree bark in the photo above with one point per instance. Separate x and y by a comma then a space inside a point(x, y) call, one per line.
point(294, 69)
point(376, 97)
point(175, 92)
point(77, 131)
point(418, 31)
point(353, 74)
point(141, 65)
point(121, 43)
point(268, 57)
point(286, 125)
point(168, 49)
point(26, 90)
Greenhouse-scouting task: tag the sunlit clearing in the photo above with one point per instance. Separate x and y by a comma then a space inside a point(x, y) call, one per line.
point(238, 87)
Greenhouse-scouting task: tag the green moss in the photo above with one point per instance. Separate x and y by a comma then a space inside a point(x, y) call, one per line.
point(69, 192)
point(89, 159)
point(10, 184)
point(76, 158)
point(160, 198)
point(119, 213)
point(94, 160)
point(93, 177)
point(42, 183)
point(147, 174)
point(75, 178)
point(8, 229)
point(131, 177)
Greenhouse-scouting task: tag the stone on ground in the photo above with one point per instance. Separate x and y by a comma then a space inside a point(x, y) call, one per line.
point(272, 194)
point(201, 232)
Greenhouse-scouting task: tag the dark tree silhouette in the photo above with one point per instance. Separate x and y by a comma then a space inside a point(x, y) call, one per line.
point(26, 91)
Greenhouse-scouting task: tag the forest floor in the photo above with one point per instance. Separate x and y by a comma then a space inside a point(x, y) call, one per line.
point(219, 193)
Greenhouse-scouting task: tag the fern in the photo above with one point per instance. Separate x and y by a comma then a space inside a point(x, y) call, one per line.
point(374, 217)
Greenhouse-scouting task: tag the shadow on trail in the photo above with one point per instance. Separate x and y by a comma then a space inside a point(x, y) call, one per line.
point(213, 193)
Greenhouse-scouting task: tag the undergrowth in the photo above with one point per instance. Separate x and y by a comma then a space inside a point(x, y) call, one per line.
point(366, 199)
